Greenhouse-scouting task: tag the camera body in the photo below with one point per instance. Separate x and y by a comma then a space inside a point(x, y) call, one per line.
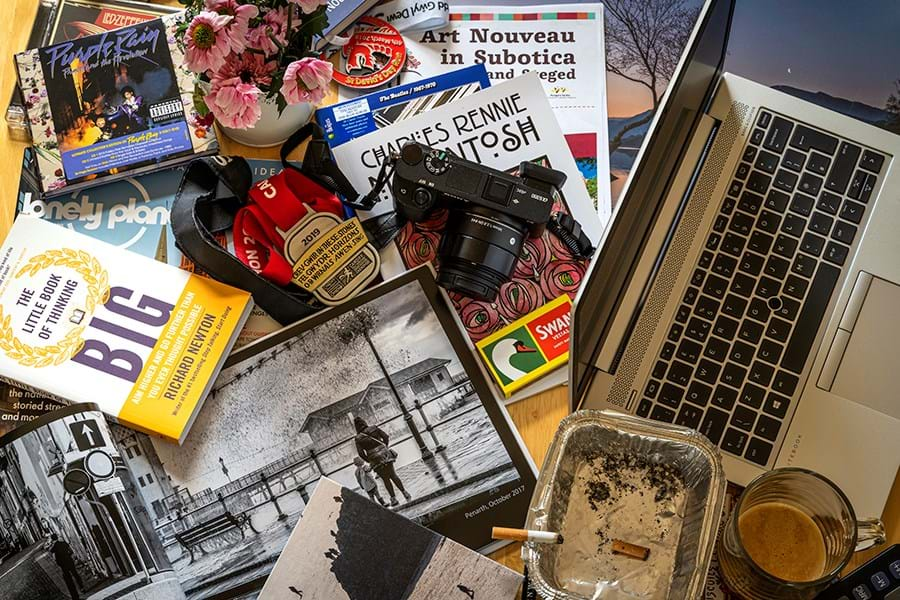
point(490, 213)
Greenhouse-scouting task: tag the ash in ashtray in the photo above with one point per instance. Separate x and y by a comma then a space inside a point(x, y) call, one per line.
point(627, 496)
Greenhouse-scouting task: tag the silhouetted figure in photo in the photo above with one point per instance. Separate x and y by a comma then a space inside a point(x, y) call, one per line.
point(62, 554)
point(372, 446)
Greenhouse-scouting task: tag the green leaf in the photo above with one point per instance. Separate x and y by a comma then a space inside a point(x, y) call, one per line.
point(280, 102)
point(200, 102)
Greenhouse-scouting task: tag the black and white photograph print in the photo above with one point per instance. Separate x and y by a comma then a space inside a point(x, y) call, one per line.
point(72, 522)
point(347, 547)
point(371, 394)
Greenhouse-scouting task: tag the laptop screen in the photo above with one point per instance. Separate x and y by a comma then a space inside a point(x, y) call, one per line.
point(842, 55)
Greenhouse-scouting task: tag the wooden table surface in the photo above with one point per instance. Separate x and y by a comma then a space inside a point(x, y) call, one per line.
point(536, 418)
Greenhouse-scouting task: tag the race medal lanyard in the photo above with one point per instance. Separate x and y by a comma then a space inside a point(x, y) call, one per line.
point(273, 209)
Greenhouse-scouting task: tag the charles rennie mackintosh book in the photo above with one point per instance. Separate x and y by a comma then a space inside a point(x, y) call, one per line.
point(106, 105)
point(347, 547)
point(84, 321)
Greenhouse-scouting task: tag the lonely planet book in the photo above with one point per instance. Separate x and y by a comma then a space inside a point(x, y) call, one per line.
point(111, 104)
point(84, 321)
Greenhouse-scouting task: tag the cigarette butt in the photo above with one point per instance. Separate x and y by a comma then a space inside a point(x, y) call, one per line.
point(526, 535)
point(632, 550)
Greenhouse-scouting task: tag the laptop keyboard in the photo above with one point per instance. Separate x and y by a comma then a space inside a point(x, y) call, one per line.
point(739, 341)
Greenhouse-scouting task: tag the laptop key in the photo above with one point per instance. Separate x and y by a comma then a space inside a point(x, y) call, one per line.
point(810, 317)
point(778, 329)
point(793, 160)
point(698, 393)
point(733, 244)
point(706, 259)
point(724, 265)
point(735, 188)
point(836, 253)
point(761, 373)
point(716, 349)
point(725, 327)
point(741, 223)
point(660, 368)
point(805, 265)
point(853, 211)
point(749, 154)
point(769, 351)
point(750, 332)
point(802, 205)
point(758, 310)
point(758, 451)
point(742, 353)
point(758, 182)
point(767, 427)
point(818, 163)
point(778, 135)
point(734, 306)
point(690, 295)
point(871, 161)
point(785, 180)
point(668, 351)
point(670, 395)
point(789, 308)
point(793, 224)
point(843, 166)
point(805, 138)
point(795, 286)
point(820, 223)
point(856, 184)
point(763, 119)
point(697, 329)
point(643, 409)
point(750, 202)
point(734, 375)
point(713, 424)
point(743, 170)
point(675, 332)
point(785, 246)
point(777, 200)
point(743, 418)
point(661, 413)
point(712, 242)
point(785, 383)
point(728, 205)
point(829, 203)
point(777, 267)
point(734, 441)
point(812, 244)
point(651, 389)
point(708, 371)
point(684, 311)
point(689, 416)
point(767, 287)
point(752, 395)
point(810, 184)
point(724, 397)
point(766, 161)
point(867, 188)
point(757, 137)
point(768, 221)
point(760, 242)
point(707, 308)
point(698, 276)
point(751, 263)
point(720, 224)
point(776, 405)
point(689, 351)
point(679, 373)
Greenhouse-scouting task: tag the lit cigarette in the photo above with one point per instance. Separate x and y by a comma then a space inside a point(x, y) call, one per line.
point(632, 550)
point(526, 535)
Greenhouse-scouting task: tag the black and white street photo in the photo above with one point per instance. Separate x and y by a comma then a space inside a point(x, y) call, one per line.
point(345, 545)
point(72, 523)
point(375, 398)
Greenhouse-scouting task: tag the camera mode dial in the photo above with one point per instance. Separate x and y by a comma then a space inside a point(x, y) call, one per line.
point(436, 162)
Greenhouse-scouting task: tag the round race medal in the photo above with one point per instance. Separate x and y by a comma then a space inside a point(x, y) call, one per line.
point(374, 55)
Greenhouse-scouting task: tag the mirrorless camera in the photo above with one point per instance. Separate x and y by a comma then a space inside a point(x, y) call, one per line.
point(490, 213)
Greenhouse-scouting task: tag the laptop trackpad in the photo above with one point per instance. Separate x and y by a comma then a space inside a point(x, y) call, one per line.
point(868, 369)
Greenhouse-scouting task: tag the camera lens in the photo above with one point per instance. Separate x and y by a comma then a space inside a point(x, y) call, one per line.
point(479, 251)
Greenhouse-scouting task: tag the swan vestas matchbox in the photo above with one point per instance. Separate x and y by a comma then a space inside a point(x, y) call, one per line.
point(84, 321)
point(528, 349)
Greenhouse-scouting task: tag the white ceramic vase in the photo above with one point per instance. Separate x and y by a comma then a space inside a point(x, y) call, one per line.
point(271, 129)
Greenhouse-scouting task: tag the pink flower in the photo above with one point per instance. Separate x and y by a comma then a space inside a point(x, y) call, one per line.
point(235, 103)
point(207, 43)
point(236, 31)
point(309, 6)
point(249, 67)
point(274, 22)
point(306, 80)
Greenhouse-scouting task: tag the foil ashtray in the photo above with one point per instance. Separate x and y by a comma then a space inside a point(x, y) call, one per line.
point(609, 476)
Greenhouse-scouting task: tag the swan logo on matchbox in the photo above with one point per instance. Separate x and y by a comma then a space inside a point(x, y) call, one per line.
point(530, 347)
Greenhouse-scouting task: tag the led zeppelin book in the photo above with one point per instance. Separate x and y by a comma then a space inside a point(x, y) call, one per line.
point(84, 321)
point(530, 347)
point(112, 104)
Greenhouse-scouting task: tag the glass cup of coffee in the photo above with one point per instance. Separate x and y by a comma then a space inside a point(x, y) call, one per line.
point(790, 535)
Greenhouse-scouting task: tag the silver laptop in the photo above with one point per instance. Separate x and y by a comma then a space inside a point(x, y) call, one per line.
point(748, 285)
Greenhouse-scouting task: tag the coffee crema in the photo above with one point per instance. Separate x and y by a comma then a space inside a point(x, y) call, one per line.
point(784, 541)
